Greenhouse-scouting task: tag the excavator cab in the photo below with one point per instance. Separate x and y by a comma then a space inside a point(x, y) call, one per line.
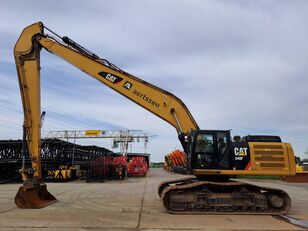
point(213, 152)
point(208, 149)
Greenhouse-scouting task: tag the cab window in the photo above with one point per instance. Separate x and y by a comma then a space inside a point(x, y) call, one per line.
point(204, 143)
point(221, 142)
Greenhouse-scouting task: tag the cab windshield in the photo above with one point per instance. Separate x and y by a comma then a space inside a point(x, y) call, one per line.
point(204, 143)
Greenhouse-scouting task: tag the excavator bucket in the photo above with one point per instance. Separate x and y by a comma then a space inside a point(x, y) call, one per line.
point(34, 197)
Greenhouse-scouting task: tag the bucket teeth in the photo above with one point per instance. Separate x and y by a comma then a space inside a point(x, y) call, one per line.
point(34, 197)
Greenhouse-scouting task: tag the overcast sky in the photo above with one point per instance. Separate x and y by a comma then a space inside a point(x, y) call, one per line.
point(239, 65)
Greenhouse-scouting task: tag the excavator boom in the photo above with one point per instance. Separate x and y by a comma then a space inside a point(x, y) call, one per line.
point(27, 57)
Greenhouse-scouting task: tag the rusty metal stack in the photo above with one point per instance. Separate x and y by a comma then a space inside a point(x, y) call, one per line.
point(175, 161)
point(100, 169)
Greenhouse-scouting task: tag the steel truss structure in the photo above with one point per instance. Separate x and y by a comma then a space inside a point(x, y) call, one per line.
point(120, 137)
point(53, 149)
point(54, 154)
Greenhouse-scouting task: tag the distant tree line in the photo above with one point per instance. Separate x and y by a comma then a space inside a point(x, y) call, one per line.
point(156, 164)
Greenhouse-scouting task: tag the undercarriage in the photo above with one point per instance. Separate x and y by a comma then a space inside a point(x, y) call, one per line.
point(193, 196)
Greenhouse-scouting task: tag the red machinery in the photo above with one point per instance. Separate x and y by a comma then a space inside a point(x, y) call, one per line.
point(107, 167)
point(120, 166)
point(137, 166)
point(100, 168)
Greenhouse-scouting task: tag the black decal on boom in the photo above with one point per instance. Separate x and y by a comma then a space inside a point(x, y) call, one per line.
point(110, 77)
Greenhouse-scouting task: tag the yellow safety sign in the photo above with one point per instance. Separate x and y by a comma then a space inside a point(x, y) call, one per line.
point(94, 132)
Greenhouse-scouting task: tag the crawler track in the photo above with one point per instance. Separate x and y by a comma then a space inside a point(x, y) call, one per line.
point(191, 196)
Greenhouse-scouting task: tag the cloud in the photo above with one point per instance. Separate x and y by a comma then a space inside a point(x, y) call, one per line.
point(236, 65)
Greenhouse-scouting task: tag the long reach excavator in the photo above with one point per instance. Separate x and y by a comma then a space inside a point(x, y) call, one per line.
point(213, 157)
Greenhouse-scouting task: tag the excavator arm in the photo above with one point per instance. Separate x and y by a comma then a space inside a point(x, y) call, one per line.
point(27, 57)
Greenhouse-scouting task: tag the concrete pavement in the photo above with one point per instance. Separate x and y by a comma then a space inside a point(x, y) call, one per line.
point(132, 204)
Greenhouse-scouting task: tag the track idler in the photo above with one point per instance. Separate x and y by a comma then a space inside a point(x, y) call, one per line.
point(34, 196)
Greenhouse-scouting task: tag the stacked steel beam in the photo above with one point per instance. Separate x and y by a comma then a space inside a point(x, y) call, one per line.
point(175, 162)
point(97, 163)
point(55, 153)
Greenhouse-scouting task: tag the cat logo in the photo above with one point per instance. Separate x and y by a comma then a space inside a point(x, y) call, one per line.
point(240, 153)
point(127, 85)
point(110, 77)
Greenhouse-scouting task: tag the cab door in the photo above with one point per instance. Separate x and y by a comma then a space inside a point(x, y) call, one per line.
point(223, 149)
point(211, 150)
point(204, 151)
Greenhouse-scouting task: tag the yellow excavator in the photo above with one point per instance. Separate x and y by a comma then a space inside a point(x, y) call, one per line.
point(212, 155)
